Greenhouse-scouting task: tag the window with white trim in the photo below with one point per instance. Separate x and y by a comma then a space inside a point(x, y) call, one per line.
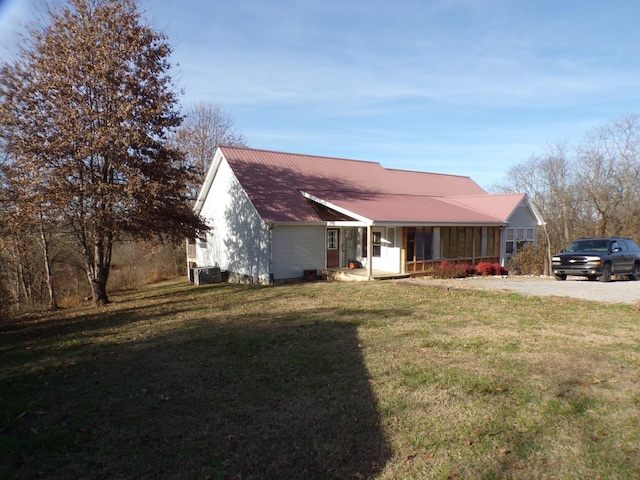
point(332, 239)
point(509, 245)
point(377, 243)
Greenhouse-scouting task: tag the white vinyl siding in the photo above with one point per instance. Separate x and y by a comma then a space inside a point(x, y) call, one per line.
point(239, 239)
point(387, 256)
point(297, 248)
point(522, 217)
point(521, 229)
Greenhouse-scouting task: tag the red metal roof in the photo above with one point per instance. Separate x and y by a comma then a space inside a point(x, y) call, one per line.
point(274, 181)
point(498, 205)
point(408, 209)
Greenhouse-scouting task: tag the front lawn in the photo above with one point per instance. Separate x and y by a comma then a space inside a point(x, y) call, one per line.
point(385, 380)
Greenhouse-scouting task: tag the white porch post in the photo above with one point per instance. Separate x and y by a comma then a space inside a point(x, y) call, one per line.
point(370, 251)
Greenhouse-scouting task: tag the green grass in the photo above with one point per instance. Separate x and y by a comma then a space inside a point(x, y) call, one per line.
point(386, 380)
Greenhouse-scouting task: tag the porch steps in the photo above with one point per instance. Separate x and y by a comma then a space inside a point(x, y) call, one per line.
point(359, 275)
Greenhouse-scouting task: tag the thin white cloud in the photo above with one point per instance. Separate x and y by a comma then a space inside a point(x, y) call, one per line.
point(277, 61)
point(475, 83)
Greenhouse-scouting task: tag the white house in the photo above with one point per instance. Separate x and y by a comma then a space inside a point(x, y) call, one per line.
point(274, 216)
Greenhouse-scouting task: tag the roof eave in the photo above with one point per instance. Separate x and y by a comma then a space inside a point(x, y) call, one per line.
point(419, 223)
point(337, 208)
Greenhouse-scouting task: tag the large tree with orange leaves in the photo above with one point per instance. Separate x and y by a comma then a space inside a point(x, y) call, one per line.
point(85, 113)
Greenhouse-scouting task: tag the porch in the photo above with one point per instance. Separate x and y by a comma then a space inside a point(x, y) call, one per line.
point(359, 274)
point(191, 253)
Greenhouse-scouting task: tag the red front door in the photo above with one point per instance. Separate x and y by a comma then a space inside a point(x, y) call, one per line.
point(333, 248)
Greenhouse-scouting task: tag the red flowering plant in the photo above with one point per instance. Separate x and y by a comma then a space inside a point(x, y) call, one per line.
point(488, 268)
point(499, 269)
point(485, 269)
point(453, 270)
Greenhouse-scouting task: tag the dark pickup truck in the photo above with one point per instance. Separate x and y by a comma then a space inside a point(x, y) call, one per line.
point(598, 258)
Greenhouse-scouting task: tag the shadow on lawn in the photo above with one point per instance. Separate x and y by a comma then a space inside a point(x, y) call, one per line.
point(285, 398)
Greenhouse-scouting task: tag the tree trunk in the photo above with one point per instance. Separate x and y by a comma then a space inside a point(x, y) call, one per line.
point(98, 276)
point(99, 292)
point(53, 305)
point(98, 266)
point(547, 267)
point(22, 286)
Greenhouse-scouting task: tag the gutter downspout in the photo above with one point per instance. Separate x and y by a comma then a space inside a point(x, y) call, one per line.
point(270, 228)
point(370, 251)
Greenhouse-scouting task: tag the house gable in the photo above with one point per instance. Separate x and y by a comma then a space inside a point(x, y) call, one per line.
point(501, 206)
point(238, 238)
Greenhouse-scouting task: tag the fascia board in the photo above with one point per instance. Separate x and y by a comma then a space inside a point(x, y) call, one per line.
point(208, 181)
point(534, 210)
point(383, 223)
point(295, 224)
point(345, 223)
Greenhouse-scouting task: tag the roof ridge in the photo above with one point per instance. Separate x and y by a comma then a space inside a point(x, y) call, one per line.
point(378, 192)
point(428, 173)
point(293, 154)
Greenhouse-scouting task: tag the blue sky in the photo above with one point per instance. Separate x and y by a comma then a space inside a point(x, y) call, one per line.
point(468, 87)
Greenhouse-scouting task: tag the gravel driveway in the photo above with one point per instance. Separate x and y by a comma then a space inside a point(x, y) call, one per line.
point(617, 291)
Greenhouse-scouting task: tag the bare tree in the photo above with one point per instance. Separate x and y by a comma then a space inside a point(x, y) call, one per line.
point(587, 191)
point(558, 179)
point(548, 179)
point(86, 111)
point(205, 128)
point(608, 175)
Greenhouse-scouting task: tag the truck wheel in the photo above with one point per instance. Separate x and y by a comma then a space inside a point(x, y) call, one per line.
point(606, 273)
point(560, 277)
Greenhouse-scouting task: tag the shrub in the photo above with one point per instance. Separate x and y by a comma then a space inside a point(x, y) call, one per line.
point(499, 269)
point(488, 268)
point(485, 269)
point(450, 270)
point(528, 261)
point(469, 270)
point(453, 270)
point(137, 263)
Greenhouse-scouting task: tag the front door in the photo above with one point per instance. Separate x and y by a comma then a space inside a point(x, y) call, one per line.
point(333, 248)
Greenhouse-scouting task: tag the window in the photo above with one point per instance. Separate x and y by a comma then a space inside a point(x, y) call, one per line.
point(419, 244)
point(509, 247)
point(419, 254)
point(364, 242)
point(530, 234)
point(524, 236)
point(477, 241)
point(332, 239)
point(491, 242)
point(201, 238)
point(469, 242)
point(391, 241)
point(427, 235)
point(411, 244)
point(445, 236)
point(377, 244)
